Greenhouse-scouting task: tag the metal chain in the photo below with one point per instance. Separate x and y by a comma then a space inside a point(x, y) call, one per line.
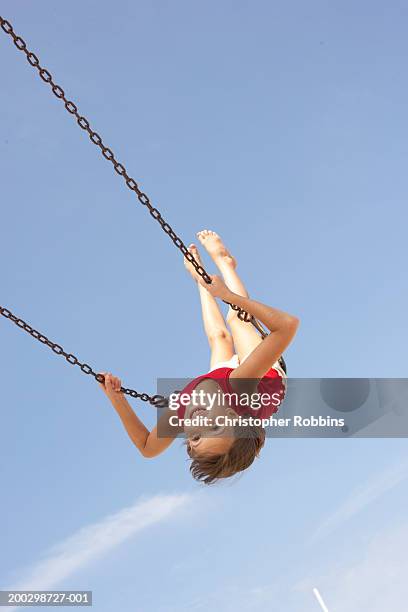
point(156, 400)
point(97, 140)
point(108, 154)
point(71, 107)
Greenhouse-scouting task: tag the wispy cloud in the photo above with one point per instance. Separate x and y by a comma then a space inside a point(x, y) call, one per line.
point(370, 576)
point(361, 497)
point(94, 541)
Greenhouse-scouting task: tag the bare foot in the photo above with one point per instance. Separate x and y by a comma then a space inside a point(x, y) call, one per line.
point(216, 248)
point(194, 251)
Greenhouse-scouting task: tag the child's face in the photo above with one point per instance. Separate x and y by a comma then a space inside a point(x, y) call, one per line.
point(209, 437)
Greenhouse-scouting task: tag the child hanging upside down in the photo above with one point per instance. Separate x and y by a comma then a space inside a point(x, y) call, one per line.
point(242, 364)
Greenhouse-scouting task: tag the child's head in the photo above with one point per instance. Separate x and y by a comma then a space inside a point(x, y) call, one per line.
point(222, 452)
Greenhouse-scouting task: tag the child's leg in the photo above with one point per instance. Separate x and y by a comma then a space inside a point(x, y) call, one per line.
point(219, 338)
point(245, 337)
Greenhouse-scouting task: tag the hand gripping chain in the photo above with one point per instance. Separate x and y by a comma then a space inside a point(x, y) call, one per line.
point(133, 186)
point(109, 155)
point(155, 400)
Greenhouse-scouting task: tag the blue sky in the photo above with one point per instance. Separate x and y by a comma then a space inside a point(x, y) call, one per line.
point(283, 127)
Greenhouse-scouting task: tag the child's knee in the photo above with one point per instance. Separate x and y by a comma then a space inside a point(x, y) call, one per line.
point(220, 334)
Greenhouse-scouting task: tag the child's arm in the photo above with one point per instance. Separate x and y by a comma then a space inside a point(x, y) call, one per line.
point(282, 326)
point(148, 443)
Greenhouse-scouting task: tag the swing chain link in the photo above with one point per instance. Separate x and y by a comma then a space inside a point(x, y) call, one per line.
point(158, 401)
point(130, 182)
point(108, 154)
